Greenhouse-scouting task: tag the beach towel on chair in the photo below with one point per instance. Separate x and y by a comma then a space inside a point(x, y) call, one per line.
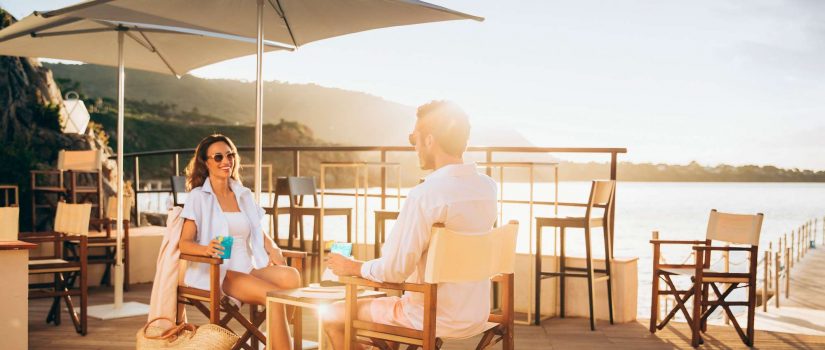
point(163, 303)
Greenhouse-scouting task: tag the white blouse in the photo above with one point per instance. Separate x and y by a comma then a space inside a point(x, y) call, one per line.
point(203, 208)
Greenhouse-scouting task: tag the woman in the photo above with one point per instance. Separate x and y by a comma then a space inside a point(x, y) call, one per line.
point(219, 205)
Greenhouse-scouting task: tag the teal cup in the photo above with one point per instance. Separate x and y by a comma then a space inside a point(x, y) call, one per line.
point(226, 242)
point(344, 249)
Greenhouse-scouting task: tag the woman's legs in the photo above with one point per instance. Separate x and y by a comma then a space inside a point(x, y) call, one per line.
point(251, 289)
point(284, 277)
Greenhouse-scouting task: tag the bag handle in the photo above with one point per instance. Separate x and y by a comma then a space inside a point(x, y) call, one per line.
point(171, 333)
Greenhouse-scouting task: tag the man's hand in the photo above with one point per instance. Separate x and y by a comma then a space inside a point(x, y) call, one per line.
point(343, 266)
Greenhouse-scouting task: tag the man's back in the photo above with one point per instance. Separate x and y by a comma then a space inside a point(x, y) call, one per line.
point(464, 201)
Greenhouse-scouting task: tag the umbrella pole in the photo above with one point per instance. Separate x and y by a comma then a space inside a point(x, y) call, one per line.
point(119, 225)
point(119, 309)
point(259, 103)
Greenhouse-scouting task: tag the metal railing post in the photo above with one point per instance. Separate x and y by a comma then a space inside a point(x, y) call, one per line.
point(383, 181)
point(177, 164)
point(136, 177)
point(296, 163)
point(613, 176)
point(776, 276)
point(766, 277)
point(788, 272)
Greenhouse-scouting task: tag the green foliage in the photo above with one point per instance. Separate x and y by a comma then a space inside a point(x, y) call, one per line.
point(47, 116)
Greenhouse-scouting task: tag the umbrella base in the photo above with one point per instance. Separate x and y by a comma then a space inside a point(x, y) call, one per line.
point(108, 311)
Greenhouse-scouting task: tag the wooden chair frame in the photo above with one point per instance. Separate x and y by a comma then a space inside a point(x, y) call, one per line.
point(66, 273)
point(6, 200)
point(212, 303)
point(500, 326)
point(68, 186)
point(703, 281)
point(108, 256)
point(381, 334)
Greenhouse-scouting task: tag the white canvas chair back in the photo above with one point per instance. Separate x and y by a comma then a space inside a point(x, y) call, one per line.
point(73, 219)
point(9, 217)
point(111, 208)
point(456, 257)
point(79, 160)
point(734, 228)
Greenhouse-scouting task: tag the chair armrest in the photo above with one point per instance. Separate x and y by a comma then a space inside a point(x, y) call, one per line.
point(45, 172)
point(410, 287)
point(294, 254)
point(671, 241)
point(296, 259)
point(201, 259)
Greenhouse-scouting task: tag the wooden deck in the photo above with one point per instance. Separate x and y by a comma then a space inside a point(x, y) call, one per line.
point(801, 319)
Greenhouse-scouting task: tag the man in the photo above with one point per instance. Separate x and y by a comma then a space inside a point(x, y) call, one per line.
point(454, 194)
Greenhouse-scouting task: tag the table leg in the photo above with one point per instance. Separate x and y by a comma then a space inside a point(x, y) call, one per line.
point(320, 331)
point(297, 332)
point(269, 311)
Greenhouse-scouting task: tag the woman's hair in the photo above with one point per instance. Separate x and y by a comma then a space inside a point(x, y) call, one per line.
point(197, 172)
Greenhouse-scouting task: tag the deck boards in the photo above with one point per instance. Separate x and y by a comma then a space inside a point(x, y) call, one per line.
point(568, 333)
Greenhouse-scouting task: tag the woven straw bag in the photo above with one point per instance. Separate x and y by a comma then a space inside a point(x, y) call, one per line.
point(184, 336)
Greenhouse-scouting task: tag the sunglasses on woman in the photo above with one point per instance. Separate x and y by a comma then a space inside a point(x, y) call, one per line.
point(218, 157)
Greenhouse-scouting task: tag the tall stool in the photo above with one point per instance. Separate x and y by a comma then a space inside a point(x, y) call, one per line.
point(381, 217)
point(602, 195)
point(305, 186)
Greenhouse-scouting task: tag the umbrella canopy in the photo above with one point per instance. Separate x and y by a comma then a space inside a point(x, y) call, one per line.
point(148, 47)
point(295, 22)
point(151, 48)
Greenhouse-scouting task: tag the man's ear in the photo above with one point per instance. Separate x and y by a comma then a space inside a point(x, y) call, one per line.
point(429, 140)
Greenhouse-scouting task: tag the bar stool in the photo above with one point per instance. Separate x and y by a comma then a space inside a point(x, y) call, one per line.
point(602, 195)
point(381, 217)
point(305, 186)
point(281, 189)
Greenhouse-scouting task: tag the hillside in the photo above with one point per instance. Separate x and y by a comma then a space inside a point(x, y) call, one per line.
point(335, 115)
point(234, 101)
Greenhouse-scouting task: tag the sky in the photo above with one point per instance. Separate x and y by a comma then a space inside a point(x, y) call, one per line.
point(713, 81)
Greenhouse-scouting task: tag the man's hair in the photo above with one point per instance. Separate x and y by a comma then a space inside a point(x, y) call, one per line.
point(448, 124)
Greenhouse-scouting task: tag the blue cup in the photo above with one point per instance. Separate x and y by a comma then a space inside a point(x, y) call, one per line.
point(226, 242)
point(344, 249)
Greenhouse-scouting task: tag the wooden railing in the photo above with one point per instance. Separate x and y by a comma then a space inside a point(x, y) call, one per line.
point(383, 151)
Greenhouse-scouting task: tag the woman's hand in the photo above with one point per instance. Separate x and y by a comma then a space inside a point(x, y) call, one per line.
point(214, 249)
point(276, 257)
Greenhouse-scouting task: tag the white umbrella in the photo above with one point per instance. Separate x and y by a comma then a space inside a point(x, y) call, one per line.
point(296, 22)
point(151, 48)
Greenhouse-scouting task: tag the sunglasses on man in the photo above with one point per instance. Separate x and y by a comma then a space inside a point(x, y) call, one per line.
point(218, 157)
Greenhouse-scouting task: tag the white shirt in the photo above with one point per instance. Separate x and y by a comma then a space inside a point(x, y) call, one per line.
point(464, 201)
point(203, 208)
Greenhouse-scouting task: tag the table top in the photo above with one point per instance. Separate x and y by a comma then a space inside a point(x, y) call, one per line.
point(15, 245)
point(320, 295)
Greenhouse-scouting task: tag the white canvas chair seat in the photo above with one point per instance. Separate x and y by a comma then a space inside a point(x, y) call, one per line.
point(687, 271)
point(51, 266)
